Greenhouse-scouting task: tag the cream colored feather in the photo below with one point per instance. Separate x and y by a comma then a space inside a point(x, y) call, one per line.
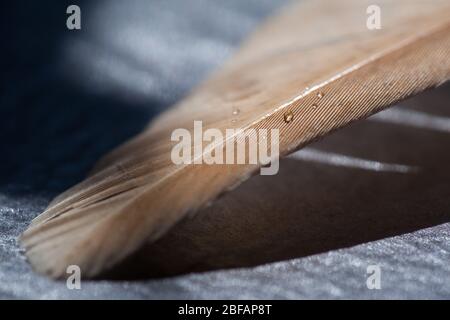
point(317, 60)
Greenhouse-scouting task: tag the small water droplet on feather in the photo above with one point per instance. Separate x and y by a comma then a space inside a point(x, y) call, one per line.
point(288, 117)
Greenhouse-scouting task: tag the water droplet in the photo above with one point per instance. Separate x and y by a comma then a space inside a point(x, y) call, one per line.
point(320, 95)
point(233, 120)
point(314, 106)
point(288, 116)
point(236, 112)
